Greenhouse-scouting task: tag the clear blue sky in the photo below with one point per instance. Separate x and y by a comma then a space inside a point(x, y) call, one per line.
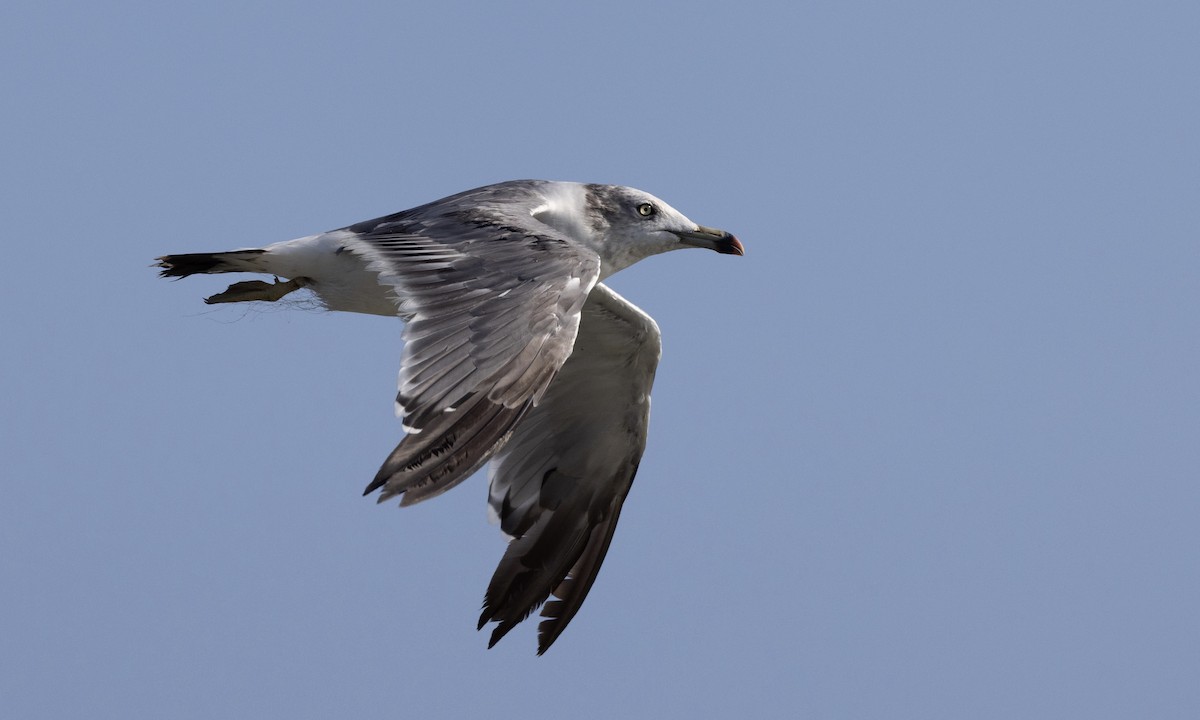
point(930, 450)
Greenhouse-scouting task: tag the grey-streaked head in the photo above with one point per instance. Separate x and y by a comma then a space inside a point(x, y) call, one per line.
point(626, 225)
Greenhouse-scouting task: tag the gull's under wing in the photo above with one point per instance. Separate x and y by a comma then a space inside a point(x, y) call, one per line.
point(558, 485)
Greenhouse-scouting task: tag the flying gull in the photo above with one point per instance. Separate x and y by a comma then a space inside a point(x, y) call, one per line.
point(514, 353)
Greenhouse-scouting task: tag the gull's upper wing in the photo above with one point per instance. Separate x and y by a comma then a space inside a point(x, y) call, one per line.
point(558, 485)
point(491, 298)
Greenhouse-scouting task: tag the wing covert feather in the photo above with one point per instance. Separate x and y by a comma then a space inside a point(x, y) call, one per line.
point(492, 299)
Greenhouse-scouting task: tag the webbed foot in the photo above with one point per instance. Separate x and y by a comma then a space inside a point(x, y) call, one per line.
point(256, 290)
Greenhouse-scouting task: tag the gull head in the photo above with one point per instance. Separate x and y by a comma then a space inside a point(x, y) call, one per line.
point(624, 225)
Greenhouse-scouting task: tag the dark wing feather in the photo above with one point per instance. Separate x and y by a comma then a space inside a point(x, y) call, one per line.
point(492, 299)
point(559, 483)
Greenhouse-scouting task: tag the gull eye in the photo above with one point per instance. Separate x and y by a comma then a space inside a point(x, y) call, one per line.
point(646, 210)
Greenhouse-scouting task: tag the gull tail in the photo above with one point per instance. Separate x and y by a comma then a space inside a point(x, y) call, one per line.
point(178, 266)
point(222, 262)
